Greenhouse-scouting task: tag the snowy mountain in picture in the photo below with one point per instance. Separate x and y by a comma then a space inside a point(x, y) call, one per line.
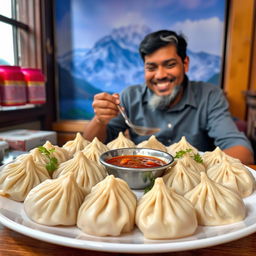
point(114, 62)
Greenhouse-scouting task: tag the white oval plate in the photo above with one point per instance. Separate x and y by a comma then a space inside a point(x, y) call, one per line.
point(13, 216)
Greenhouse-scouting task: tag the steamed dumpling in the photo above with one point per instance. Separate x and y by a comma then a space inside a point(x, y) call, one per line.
point(216, 204)
point(38, 156)
point(55, 202)
point(163, 214)
point(19, 177)
point(210, 158)
point(233, 175)
point(109, 209)
point(121, 142)
point(183, 144)
point(78, 144)
point(191, 164)
point(181, 178)
point(86, 172)
point(59, 153)
point(94, 150)
point(152, 143)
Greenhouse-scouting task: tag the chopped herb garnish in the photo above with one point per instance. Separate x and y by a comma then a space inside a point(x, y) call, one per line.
point(52, 165)
point(196, 157)
point(150, 186)
point(181, 153)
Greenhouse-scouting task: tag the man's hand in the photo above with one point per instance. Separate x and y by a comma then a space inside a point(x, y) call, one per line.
point(105, 107)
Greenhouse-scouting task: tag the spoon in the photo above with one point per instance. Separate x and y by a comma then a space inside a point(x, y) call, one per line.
point(140, 130)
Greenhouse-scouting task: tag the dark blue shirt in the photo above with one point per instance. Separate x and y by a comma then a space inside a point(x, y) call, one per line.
point(202, 116)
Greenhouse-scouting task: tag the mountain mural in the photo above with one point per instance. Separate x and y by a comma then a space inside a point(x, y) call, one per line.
point(114, 63)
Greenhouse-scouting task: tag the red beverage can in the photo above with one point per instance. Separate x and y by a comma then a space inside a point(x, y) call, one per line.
point(12, 86)
point(35, 81)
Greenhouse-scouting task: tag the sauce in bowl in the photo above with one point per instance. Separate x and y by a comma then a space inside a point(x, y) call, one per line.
point(136, 161)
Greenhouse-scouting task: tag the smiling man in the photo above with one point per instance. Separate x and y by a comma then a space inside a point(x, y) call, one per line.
point(168, 100)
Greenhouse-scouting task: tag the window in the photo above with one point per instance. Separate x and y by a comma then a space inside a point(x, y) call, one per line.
point(27, 29)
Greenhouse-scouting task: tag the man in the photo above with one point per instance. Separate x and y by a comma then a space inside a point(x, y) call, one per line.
point(168, 100)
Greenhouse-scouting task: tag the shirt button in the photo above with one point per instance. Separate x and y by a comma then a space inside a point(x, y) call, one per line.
point(169, 125)
point(169, 141)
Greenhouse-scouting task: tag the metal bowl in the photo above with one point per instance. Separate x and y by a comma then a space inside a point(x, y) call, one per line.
point(137, 178)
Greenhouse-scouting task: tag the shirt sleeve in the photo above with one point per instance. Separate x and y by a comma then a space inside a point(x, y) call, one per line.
point(220, 124)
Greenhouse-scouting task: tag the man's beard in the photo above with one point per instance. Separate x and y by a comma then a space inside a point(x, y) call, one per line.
point(162, 102)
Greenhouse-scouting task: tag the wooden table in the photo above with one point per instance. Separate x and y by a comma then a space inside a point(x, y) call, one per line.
point(15, 244)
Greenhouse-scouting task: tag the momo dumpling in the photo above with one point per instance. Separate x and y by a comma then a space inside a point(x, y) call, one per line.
point(183, 144)
point(190, 163)
point(181, 178)
point(121, 142)
point(59, 153)
point(233, 175)
point(216, 204)
point(109, 209)
point(78, 144)
point(55, 202)
point(38, 156)
point(94, 150)
point(163, 214)
point(86, 172)
point(210, 158)
point(19, 177)
point(152, 143)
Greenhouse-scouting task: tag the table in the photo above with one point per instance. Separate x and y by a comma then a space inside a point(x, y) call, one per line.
point(13, 244)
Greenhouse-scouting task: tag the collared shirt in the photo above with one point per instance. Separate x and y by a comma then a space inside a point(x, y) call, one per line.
point(202, 116)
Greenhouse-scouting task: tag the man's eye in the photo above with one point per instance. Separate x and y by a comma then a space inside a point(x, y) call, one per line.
point(170, 65)
point(150, 68)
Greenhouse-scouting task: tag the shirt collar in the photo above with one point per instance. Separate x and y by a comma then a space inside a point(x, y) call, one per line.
point(187, 99)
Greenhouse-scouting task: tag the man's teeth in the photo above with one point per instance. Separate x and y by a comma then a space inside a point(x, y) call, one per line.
point(163, 86)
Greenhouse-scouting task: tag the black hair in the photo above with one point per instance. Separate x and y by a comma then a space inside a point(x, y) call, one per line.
point(161, 38)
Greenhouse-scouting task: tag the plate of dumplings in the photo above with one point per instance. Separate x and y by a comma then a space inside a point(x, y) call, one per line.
point(202, 200)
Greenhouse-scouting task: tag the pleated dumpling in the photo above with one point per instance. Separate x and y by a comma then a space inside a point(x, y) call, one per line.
point(38, 157)
point(210, 158)
point(55, 202)
point(183, 144)
point(181, 178)
point(163, 214)
point(152, 143)
point(94, 150)
point(86, 172)
point(190, 163)
point(233, 175)
point(59, 153)
point(109, 209)
point(121, 142)
point(78, 144)
point(19, 177)
point(216, 204)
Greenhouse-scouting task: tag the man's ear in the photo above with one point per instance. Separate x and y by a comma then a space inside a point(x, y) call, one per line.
point(186, 64)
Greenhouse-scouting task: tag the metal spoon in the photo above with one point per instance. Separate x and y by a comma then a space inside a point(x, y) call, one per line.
point(140, 130)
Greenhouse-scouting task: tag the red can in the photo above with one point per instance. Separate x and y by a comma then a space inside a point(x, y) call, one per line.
point(35, 81)
point(12, 86)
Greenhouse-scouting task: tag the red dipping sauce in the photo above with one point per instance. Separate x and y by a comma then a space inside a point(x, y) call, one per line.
point(136, 161)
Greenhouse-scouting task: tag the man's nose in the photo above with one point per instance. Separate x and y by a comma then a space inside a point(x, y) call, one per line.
point(160, 73)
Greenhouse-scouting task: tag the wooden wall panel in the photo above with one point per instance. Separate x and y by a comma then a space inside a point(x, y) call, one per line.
point(239, 54)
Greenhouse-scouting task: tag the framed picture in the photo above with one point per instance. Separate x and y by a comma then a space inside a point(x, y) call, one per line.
point(97, 45)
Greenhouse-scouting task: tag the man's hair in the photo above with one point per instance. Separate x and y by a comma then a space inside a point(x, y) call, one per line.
point(161, 38)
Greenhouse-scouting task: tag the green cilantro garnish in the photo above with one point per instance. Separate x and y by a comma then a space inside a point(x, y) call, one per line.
point(52, 165)
point(196, 157)
point(150, 186)
point(181, 153)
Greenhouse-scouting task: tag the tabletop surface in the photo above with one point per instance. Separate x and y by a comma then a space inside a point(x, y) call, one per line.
point(13, 243)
